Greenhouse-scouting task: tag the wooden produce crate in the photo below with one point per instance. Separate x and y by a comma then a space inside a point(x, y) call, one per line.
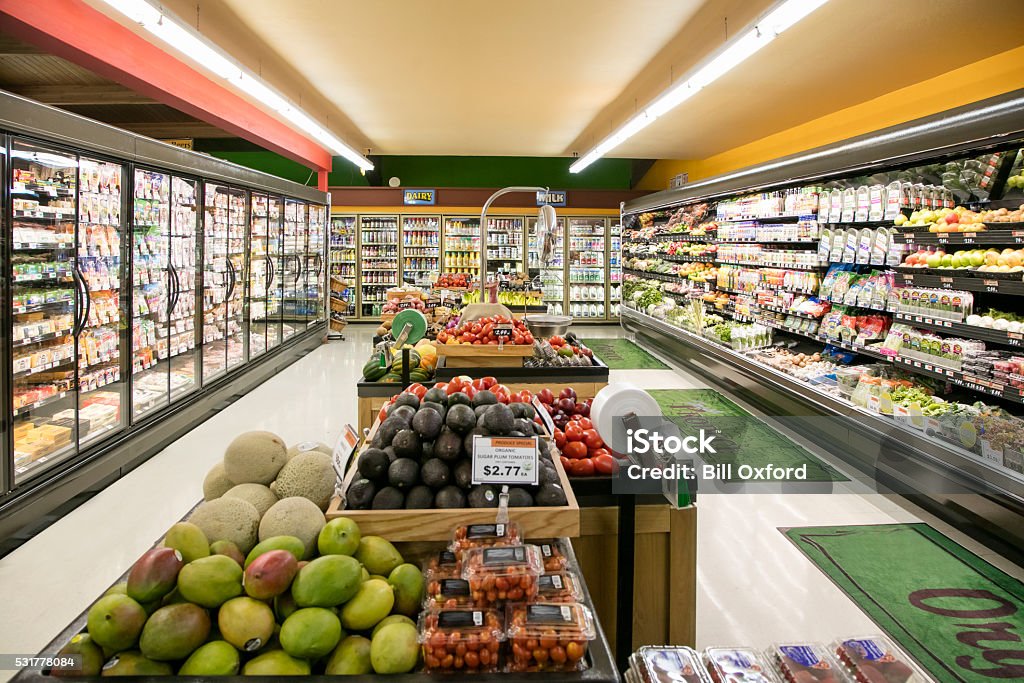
point(483, 355)
point(586, 381)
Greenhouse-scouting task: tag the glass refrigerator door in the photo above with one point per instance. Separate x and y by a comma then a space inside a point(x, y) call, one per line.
point(614, 269)
point(316, 245)
point(238, 220)
point(343, 266)
point(46, 297)
point(421, 247)
point(275, 266)
point(551, 274)
point(378, 265)
point(216, 280)
point(101, 389)
point(184, 283)
point(462, 246)
point(587, 268)
point(504, 245)
point(151, 293)
point(259, 274)
point(294, 286)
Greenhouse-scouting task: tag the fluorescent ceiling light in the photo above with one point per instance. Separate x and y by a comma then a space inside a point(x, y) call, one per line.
point(163, 24)
point(783, 15)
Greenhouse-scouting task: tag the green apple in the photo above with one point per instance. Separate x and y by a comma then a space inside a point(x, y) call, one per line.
point(934, 260)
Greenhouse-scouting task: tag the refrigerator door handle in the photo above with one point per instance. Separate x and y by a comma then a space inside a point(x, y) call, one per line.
point(231, 276)
point(271, 272)
point(175, 290)
point(319, 265)
point(299, 268)
point(77, 277)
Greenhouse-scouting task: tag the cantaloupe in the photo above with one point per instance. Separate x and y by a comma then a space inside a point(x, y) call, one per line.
point(261, 497)
point(307, 446)
point(228, 519)
point(309, 475)
point(255, 458)
point(216, 483)
point(294, 516)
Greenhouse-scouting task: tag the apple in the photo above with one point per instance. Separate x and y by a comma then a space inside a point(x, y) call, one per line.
point(567, 405)
point(934, 260)
point(545, 396)
point(567, 392)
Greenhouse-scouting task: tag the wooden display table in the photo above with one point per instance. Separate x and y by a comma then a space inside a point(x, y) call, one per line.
point(484, 355)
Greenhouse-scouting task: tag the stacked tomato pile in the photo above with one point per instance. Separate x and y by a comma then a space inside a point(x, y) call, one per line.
point(453, 280)
point(468, 386)
point(482, 331)
point(564, 348)
point(584, 452)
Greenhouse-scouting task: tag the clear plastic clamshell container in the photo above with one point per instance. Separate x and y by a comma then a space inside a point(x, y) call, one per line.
point(469, 536)
point(498, 575)
point(875, 659)
point(559, 587)
point(553, 552)
point(442, 565)
point(461, 639)
point(669, 664)
point(447, 593)
point(737, 665)
point(806, 663)
point(549, 636)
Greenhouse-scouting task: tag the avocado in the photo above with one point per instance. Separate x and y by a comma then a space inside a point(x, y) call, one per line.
point(391, 426)
point(544, 447)
point(547, 475)
point(459, 398)
point(467, 441)
point(498, 419)
point(407, 444)
point(439, 408)
point(373, 464)
point(388, 498)
point(375, 441)
point(437, 396)
point(521, 425)
point(550, 494)
point(427, 423)
point(480, 410)
point(404, 473)
point(448, 445)
point(404, 412)
point(427, 451)
point(390, 452)
point(360, 494)
point(463, 474)
point(450, 497)
point(461, 418)
point(516, 432)
point(523, 410)
point(435, 473)
point(519, 498)
point(484, 397)
point(408, 399)
point(419, 498)
point(483, 496)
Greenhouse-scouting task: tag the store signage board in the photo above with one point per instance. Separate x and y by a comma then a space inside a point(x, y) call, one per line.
point(419, 197)
point(184, 143)
point(552, 198)
point(505, 460)
point(343, 449)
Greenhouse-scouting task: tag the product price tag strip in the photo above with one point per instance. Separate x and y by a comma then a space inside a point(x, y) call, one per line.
point(344, 447)
point(503, 460)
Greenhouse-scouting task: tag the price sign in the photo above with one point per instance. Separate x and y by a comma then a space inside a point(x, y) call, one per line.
point(545, 417)
point(503, 331)
point(343, 449)
point(403, 305)
point(505, 460)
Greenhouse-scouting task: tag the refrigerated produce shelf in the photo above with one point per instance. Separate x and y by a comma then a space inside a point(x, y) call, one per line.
point(987, 334)
point(970, 284)
point(991, 236)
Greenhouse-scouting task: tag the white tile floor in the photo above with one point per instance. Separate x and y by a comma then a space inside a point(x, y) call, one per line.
point(755, 587)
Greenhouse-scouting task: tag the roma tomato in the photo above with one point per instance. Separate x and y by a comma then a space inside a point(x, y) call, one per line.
point(585, 423)
point(573, 432)
point(583, 468)
point(592, 439)
point(603, 462)
point(566, 463)
point(559, 438)
point(575, 450)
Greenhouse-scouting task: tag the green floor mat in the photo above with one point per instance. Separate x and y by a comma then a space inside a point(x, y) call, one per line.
point(961, 618)
point(757, 443)
point(622, 354)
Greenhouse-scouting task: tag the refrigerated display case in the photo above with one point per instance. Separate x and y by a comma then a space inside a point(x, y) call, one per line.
point(461, 243)
point(378, 263)
point(276, 260)
point(505, 244)
point(614, 269)
point(223, 279)
point(314, 264)
point(260, 273)
point(293, 297)
point(550, 275)
point(421, 248)
point(587, 268)
point(342, 258)
point(183, 346)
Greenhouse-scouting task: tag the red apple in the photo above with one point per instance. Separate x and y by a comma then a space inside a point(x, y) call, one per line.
point(567, 392)
point(545, 396)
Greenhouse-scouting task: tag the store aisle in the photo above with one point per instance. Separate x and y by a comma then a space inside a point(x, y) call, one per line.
point(754, 586)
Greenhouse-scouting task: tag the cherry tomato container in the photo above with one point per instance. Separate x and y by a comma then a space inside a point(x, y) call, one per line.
point(500, 575)
point(549, 636)
point(737, 665)
point(471, 536)
point(669, 664)
point(447, 593)
point(461, 639)
point(559, 587)
point(875, 659)
point(806, 663)
point(553, 554)
point(442, 565)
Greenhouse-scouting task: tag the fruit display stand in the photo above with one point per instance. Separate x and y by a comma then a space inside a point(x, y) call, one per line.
point(587, 381)
point(483, 356)
point(601, 666)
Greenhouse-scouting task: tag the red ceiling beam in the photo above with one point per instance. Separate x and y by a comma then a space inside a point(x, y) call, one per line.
point(75, 31)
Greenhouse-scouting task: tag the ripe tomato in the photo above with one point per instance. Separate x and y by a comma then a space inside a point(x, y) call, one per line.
point(475, 328)
point(503, 396)
point(592, 439)
point(603, 462)
point(523, 396)
point(574, 450)
point(585, 423)
point(566, 463)
point(528, 339)
point(489, 381)
point(383, 414)
point(453, 387)
point(573, 432)
point(559, 436)
point(442, 337)
point(556, 340)
point(583, 468)
point(469, 390)
point(416, 389)
point(478, 384)
point(545, 396)
point(576, 419)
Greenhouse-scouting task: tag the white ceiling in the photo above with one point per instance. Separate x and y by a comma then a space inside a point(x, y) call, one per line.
point(550, 77)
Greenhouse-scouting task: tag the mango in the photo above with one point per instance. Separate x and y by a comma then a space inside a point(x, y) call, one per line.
point(289, 543)
point(350, 658)
point(407, 580)
point(132, 663)
point(395, 649)
point(210, 581)
point(340, 536)
point(117, 589)
point(276, 663)
point(377, 555)
point(284, 606)
point(371, 603)
point(228, 549)
point(189, 540)
point(327, 581)
point(246, 623)
point(91, 657)
point(174, 632)
point(154, 575)
point(115, 621)
point(216, 658)
point(270, 574)
point(392, 619)
point(310, 633)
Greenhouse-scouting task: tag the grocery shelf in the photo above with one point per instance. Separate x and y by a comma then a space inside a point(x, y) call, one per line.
point(767, 288)
point(999, 237)
point(39, 404)
point(754, 240)
point(971, 284)
point(41, 338)
point(961, 379)
point(42, 368)
point(779, 309)
point(37, 466)
point(32, 308)
point(42, 246)
point(778, 217)
point(62, 276)
point(970, 331)
point(767, 265)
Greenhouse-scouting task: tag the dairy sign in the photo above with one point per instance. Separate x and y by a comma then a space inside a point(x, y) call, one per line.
point(552, 198)
point(419, 197)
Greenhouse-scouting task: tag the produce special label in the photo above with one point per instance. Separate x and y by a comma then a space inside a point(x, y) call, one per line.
point(548, 614)
point(505, 460)
point(459, 618)
point(485, 531)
